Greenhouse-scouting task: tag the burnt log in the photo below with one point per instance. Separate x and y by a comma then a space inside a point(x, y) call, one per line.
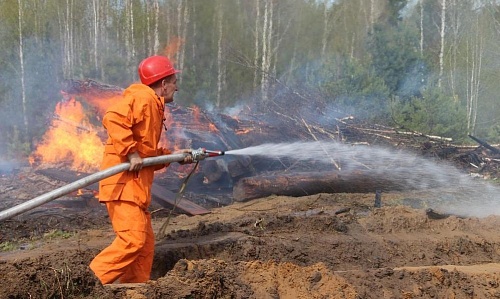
point(493, 149)
point(309, 183)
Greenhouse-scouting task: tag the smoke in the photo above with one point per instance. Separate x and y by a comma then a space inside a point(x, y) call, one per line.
point(446, 188)
point(24, 109)
point(407, 10)
point(7, 167)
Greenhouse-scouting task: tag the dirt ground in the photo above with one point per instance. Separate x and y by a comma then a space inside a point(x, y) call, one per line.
point(319, 246)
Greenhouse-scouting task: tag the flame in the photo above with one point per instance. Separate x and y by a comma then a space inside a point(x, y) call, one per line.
point(196, 114)
point(212, 127)
point(173, 48)
point(71, 137)
point(101, 104)
point(243, 131)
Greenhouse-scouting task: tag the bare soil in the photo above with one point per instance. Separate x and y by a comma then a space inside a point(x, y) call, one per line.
point(319, 246)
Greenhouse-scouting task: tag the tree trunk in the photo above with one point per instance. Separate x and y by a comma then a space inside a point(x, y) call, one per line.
point(21, 64)
point(302, 184)
point(95, 6)
point(179, 29)
point(267, 33)
point(476, 56)
point(156, 45)
point(148, 35)
point(129, 34)
point(257, 46)
point(65, 18)
point(421, 27)
point(325, 29)
point(220, 64)
point(194, 32)
point(185, 24)
point(372, 15)
point(442, 34)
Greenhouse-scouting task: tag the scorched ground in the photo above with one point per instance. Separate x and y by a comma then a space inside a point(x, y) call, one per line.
point(319, 246)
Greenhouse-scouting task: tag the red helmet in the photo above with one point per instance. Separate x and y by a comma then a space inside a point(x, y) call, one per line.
point(155, 68)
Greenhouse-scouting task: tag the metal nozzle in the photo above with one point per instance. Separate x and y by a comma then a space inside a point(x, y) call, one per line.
point(214, 153)
point(201, 153)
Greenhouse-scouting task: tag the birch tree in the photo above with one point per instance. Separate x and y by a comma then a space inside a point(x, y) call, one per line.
point(65, 22)
point(148, 35)
point(455, 36)
point(372, 15)
point(267, 31)
point(221, 71)
point(96, 23)
point(21, 65)
point(474, 63)
point(194, 31)
point(256, 43)
point(179, 28)
point(129, 32)
point(185, 25)
point(156, 7)
point(442, 36)
point(421, 6)
point(326, 28)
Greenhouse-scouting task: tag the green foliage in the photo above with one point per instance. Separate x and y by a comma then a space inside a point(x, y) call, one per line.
point(377, 55)
point(7, 246)
point(434, 113)
point(57, 234)
point(493, 133)
point(395, 58)
point(354, 88)
point(18, 145)
point(393, 11)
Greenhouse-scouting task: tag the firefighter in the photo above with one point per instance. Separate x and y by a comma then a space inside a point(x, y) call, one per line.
point(134, 126)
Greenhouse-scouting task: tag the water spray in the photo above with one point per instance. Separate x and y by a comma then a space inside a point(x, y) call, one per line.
point(445, 186)
point(441, 185)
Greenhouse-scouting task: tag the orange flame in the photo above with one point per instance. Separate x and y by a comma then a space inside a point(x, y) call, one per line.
point(243, 131)
point(173, 48)
point(212, 127)
point(71, 137)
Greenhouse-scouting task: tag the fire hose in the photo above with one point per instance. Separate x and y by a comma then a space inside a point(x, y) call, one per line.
point(198, 155)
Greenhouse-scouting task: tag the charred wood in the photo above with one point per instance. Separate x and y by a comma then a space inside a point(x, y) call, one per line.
point(493, 149)
point(301, 184)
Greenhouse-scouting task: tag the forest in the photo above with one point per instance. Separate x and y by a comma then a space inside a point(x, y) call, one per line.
point(431, 66)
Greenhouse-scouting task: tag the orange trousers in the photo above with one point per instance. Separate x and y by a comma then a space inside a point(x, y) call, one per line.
point(130, 257)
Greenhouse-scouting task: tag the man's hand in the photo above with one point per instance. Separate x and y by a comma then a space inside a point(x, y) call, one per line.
point(135, 161)
point(188, 159)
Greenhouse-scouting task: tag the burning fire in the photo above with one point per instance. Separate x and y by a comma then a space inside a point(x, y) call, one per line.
point(70, 139)
point(73, 140)
point(173, 48)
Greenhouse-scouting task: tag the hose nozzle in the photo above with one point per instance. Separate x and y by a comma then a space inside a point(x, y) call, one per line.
point(202, 153)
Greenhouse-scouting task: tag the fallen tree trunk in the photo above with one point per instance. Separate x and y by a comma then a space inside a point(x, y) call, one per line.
point(493, 149)
point(308, 183)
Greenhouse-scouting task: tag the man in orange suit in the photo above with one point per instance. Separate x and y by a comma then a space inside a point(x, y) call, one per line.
point(134, 127)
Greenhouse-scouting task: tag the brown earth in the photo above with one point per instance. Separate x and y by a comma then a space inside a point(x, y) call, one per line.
point(319, 246)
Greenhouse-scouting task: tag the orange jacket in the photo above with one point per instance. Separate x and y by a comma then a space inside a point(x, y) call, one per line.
point(134, 125)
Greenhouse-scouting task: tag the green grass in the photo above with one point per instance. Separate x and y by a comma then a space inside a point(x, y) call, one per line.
point(57, 234)
point(7, 246)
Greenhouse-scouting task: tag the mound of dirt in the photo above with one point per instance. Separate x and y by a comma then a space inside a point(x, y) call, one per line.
point(320, 246)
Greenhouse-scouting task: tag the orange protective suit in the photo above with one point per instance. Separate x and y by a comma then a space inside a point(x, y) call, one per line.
point(133, 125)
